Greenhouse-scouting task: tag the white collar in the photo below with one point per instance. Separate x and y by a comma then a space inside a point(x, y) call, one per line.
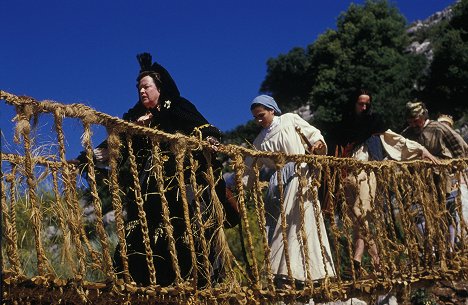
point(265, 131)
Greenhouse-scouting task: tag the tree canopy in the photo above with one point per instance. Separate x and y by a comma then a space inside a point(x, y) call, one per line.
point(369, 50)
point(445, 88)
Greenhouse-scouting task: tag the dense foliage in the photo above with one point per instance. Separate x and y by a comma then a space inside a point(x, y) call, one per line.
point(446, 86)
point(369, 49)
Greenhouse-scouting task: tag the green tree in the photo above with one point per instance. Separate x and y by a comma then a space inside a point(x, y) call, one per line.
point(446, 87)
point(242, 134)
point(287, 79)
point(367, 50)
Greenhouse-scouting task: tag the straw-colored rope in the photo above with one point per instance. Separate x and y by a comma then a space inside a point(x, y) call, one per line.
point(284, 224)
point(239, 167)
point(23, 128)
point(94, 255)
point(61, 212)
point(75, 219)
point(180, 150)
point(382, 231)
point(303, 182)
point(347, 222)
point(409, 240)
point(217, 218)
point(9, 216)
point(330, 203)
point(261, 216)
point(141, 212)
point(407, 220)
point(101, 232)
point(158, 170)
point(198, 190)
point(114, 148)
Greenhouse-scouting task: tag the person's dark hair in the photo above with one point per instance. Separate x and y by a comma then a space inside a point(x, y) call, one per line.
point(155, 76)
point(360, 92)
point(363, 92)
point(352, 98)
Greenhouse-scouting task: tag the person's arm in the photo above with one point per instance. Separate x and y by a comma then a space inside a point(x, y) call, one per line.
point(400, 148)
point(315, 137)
point(454, 142)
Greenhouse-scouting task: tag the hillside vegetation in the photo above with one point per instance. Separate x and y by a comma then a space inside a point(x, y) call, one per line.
point(373, 47)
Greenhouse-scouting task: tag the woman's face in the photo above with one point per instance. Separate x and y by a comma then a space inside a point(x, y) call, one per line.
point(362, 104)
point(149, 93)
point(263, 116)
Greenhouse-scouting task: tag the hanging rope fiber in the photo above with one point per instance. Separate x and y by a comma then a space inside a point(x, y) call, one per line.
point(68, 238)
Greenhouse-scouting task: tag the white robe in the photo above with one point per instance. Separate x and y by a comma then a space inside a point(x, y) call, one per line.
point(282, 137)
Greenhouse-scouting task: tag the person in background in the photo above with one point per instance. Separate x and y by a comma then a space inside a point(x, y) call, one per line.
point(444, 143)
point(363, 136)
point(446, 119)
point(290, 134)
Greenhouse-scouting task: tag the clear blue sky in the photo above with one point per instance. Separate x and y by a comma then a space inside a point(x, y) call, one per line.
point(84, 51)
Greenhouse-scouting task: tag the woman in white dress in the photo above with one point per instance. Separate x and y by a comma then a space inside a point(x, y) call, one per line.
point(280, 134)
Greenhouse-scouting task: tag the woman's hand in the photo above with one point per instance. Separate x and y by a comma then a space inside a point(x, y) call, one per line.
point(319, 148)
point(144, 120)
point(426, 155)
point(214, 142)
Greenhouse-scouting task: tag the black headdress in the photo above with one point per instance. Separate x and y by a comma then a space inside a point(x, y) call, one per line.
point(145, 60)
point(176, 113)
point(168, 87)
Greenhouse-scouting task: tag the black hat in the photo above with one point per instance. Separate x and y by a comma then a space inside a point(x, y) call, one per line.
point(168, 87)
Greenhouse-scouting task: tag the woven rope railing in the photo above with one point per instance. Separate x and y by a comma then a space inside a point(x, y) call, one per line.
point(53, 252)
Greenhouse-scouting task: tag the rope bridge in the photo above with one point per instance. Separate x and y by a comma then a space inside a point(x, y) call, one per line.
point(53, 253)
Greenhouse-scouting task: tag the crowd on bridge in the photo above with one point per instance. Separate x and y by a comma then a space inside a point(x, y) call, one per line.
point(362, 136)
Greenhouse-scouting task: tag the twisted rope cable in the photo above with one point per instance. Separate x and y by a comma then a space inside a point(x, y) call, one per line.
point(409, 238)
point(347, 223)
point(406, 185)
point(181, 150)
point(439, 215)
point(261, 216)
point(430, 201)
point(384, 229)
point(217, 216)
point(11, 233)
point(284, 224)
point(74, 216)
point(101, 232)
point(303, 181)
point(61, 213)
point(23, 128)
point(141, 212)
point(113, 142)
point(335, 231)
point(239, 169)
point(158, 168)
point(318, 220)
point(76, 205)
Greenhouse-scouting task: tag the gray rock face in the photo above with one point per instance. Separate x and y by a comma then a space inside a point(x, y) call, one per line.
point(424, 47)
point(432, 20)
point(304, 112)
